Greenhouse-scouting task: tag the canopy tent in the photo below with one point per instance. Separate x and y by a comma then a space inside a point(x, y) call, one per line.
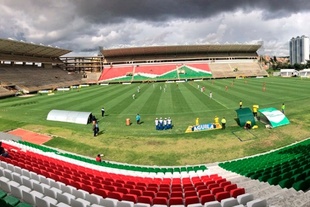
point(273, 116)
point(244, 115)
point(288, 72)
point(77, 117)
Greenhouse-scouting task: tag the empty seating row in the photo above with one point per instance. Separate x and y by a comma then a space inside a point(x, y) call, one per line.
point(222, 193)
point(119, 165)
point(287, 167)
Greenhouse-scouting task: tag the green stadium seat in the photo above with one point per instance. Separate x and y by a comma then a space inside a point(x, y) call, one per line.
point(264, 178)
point(11, 200)
point(302, 185)
point(2, 194)
point(287, 183)
point(274, 180)
point(300, 176)
point(21, 204)
point(286, 175)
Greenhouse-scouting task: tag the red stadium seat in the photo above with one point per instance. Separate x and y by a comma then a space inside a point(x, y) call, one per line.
point(189, 188)
point(97, 185)
point(122, 190)
point(199, 184)
point(118, 185)
point(155, 185)
point(213, 185)
point(223, 184)
point(76, 184)
point(217, 190)
point(201, 187)
point(154, 189)
point(230, 187)
point(222, 195)
point(163, 194)
point(176, 201)
point(145, 199)
point(219, 181)
point(88, 188)
point(206, 198)
point(140, 187)
point(209, 182)
point(101, 192)
point(149, 193)
point(130, 197)
point(203, 192)
point(166, 189)
point(115, 195)
point(176, 194)
point(110, 188)
point(236, 192)
point(190, 193)
point(163, 185)
point(160, 201)
point(129, 186)
point(191, 200)
point(141, 184)
point(176, 189)
point(135, 192)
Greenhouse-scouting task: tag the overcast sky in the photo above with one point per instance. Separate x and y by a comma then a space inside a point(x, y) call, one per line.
point(84, 25)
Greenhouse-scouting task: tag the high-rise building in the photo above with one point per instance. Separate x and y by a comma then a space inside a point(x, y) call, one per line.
point(299, 50)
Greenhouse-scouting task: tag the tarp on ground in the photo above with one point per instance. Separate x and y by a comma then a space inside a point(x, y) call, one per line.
point(244, 115)
point(77, 117)
point(275, 117)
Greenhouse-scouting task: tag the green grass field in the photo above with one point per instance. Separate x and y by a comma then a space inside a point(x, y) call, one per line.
point(183, 102)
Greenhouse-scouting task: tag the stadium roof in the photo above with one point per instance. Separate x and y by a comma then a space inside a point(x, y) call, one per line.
point(19, 48)
point(180, 49)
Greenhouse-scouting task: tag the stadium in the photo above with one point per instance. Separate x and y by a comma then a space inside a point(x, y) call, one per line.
point(49, 98)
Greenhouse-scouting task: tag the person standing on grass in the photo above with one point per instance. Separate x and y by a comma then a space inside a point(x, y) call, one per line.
point(102, 111)
point(160, 123)
point(240, 104)
point(283, 108)
point(156, 124)
point(165, 123)
point(96, 128)
point(138, 118)
point(223, 121)
point(169, 123)
point(211, 94)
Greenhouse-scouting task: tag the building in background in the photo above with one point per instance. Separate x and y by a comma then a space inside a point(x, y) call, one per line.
point(299, 50)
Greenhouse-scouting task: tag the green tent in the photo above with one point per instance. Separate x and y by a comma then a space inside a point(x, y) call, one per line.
point(274, 116)
point(244, 115)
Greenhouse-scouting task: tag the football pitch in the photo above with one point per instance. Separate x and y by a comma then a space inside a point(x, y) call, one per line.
point(182, 102)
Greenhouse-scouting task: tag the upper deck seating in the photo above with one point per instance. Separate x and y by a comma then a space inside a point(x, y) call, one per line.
point(158, 71)
point(34, 78)
point(234, 69)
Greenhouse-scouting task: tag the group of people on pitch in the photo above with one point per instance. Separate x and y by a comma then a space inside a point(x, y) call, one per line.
point(163, 124)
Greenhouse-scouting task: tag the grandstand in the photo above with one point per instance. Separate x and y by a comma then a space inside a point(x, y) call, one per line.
point(28, 68)
point(37, 67)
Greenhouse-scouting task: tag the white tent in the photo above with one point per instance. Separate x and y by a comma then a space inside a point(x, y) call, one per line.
point(288, 72)
point(304, 73)
point(77, 117)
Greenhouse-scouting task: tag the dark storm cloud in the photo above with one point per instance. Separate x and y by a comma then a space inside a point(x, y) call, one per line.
point(107, 11)
point(83, 25)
